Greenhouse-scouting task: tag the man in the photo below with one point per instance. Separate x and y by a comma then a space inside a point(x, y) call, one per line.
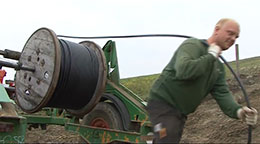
point(193, 72)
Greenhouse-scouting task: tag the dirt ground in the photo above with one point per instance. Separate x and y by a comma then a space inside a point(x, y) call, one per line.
point(207, 124)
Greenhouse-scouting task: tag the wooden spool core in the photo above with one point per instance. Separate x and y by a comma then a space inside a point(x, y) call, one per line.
point(42, 52)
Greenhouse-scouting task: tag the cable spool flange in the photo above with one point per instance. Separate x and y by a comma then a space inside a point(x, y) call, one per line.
point(53, 82)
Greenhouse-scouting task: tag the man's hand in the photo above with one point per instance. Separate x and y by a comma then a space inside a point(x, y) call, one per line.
point(215, 50)
point(248, 115)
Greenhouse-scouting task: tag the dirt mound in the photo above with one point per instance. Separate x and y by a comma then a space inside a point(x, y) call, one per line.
point(207, 124)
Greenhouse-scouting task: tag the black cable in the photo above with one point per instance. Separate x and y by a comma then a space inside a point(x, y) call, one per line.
point(78, 77)
point(181, 36)
point(126, 36)
point(238, 80)
point(245, 94)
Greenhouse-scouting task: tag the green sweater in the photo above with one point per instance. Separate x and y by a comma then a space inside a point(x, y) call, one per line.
point(190, 76)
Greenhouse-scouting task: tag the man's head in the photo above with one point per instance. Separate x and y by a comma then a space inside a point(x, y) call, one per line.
point(225, 33)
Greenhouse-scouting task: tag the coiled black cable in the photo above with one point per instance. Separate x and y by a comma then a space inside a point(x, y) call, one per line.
point(78, 76)
point(180, 36)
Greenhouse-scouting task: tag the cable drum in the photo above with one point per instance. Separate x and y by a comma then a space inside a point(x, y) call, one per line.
point(100, 81)
point(67, 75)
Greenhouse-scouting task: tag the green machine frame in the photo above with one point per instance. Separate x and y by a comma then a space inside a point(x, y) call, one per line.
point(136, 126)
point(131, 107)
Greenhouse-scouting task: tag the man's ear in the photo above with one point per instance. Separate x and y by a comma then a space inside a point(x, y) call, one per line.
point(217, 28)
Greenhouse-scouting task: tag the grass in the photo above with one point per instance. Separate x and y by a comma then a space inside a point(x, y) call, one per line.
point(141, 85)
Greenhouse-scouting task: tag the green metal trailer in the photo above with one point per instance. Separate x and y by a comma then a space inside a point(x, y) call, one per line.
point(118, 115)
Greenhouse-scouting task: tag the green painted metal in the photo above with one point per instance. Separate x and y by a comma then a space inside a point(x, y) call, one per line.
point(32, 119)
point(12, 129)
point(111, 61)
point(134, 104)
point(135, 108)
point(100, 135)
point(50, 116)
point(3, 95)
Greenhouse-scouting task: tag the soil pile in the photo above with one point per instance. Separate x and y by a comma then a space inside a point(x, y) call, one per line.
point(208, 124)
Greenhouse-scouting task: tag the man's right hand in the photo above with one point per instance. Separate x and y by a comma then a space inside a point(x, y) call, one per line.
point(248, 115)
point(215, 50)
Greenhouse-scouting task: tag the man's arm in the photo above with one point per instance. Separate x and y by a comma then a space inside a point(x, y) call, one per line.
point(223, 96)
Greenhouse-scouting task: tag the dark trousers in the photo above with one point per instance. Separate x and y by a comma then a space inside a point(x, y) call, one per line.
point(168, 122)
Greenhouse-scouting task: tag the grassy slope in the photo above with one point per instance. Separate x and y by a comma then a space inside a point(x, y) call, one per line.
point(142, 84)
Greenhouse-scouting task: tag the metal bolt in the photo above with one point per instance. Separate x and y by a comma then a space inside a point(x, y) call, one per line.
point(27, 92)
point(38, 82)
point(46, 75)
point(29, 58)
point(25, 75)
point(42, 62)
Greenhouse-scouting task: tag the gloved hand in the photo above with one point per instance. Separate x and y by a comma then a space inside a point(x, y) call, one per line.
point(215, 50)
point(248, 115)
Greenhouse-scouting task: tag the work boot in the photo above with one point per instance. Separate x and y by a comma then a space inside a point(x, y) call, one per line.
point(8, 109)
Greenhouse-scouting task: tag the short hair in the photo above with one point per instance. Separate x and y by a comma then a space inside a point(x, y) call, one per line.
point(222, 21)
